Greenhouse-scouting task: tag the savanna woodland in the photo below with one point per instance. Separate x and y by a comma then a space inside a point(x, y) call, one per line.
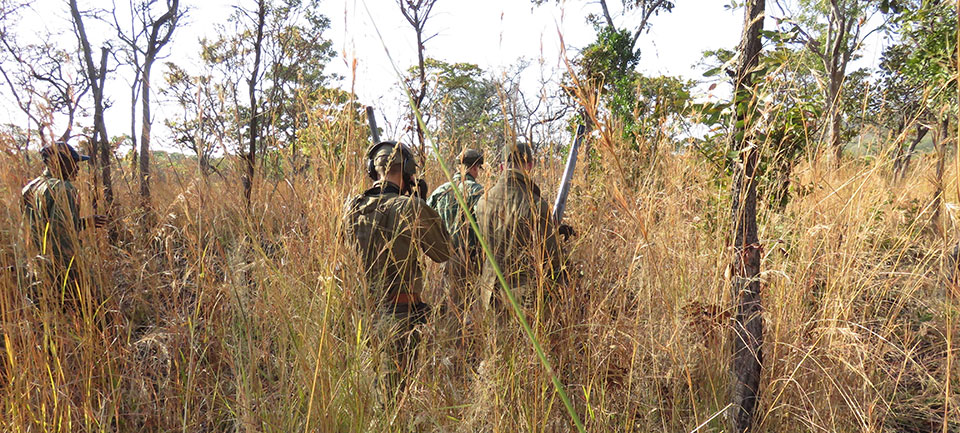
point(769, 244)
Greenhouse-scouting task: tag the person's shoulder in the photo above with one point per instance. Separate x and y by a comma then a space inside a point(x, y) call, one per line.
point(32, 185)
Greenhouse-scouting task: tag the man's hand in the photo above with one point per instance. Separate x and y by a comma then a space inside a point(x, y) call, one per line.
point(98, 221)
point(567, 231)
point(422, 191)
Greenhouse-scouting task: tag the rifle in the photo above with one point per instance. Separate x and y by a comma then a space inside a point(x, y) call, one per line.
point(561, 203)
point(374, 132)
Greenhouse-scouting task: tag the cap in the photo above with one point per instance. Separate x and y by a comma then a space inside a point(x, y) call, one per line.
point(62, 149)
point(518, 153)
point(471, 157)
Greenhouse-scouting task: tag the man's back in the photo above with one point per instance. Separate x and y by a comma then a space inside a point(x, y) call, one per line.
point(515, 221)
point(444, 201)
point(390, 230)
point(50, 210)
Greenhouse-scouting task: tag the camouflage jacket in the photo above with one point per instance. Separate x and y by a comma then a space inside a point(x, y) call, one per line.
point(50, 211)
point(515, 221)
point(445, 203)
point(390, 231)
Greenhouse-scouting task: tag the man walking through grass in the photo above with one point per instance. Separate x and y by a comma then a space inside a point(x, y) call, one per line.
point(467, 256)
point(390, 229)
point(51, 213)
point(515, 222)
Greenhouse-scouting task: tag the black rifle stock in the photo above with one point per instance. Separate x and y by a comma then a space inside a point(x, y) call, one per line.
point(372, 120)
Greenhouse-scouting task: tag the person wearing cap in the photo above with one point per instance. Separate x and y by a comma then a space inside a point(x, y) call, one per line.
point(466, 259)
point(515, 221)
point(49, 205)
point(390, 228)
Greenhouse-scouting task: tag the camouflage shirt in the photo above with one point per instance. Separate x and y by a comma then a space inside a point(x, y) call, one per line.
point(444, 201)
point(49, 206)
point(515, 221)
point(390, 231)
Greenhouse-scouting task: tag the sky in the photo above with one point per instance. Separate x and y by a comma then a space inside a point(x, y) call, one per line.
point(494, 34)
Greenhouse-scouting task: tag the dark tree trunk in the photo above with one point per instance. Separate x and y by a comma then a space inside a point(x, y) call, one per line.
point(940, 144)
point(134, 161)
point(101, 141)
point(898, 157)
point(251, 157)
point(905, 165)
point(747, 337)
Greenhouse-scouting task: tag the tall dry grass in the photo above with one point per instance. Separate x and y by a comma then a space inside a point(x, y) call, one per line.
point(212, 318)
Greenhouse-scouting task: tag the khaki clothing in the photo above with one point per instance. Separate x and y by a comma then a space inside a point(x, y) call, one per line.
point(50, 211)
point(515, 221)
point(390, 232)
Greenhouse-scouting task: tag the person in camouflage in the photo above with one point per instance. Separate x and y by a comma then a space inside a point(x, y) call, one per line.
point(515, 221)
point(467, 256)
point(390, 230)
point(49, 205)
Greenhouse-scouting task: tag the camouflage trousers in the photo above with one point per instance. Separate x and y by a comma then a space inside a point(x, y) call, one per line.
point(57, 286)
point(397, 337)
point(460, 274)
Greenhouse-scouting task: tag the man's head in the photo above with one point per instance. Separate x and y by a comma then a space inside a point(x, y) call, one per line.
point(61, 158)
point(391, 161)
point(519, 155)
point(472, 161)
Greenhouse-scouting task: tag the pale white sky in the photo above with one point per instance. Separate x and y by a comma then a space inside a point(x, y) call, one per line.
point(493, 34)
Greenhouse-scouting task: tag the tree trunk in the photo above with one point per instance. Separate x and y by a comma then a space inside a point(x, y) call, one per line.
point(101, 141)
point(833, 111)
point(747, 338)
point(905, 165)
point(133, 119)
point(145, 134)
point(254, 117)
point(898, 157)
point(940, 144)
point(104, 145)
point(421, 95)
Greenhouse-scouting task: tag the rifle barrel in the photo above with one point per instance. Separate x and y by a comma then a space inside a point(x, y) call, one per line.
point(561, 203)
point(372, 119)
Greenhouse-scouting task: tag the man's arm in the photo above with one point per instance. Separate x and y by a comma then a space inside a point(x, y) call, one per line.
point(430, 231)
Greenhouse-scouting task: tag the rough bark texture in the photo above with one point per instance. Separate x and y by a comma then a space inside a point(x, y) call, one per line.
point(145, 135)
point(747, 337)
point(97, 78)
point(254, 116)
point(160, 32)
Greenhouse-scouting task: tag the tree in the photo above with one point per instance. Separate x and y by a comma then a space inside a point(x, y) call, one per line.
point(97, 77)
point(279, 52)
point(464, 102)
point(747, 338)
point(417, 12)
point(132, 39)
point(45, 80)
point(833, 31)
point(900, 106)
point(930, 28)
point(635, 13)
point(156, 22)
point(206, 113)
point(252, 84)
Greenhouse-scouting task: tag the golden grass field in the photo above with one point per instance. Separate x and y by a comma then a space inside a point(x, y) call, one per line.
point(206, 317)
